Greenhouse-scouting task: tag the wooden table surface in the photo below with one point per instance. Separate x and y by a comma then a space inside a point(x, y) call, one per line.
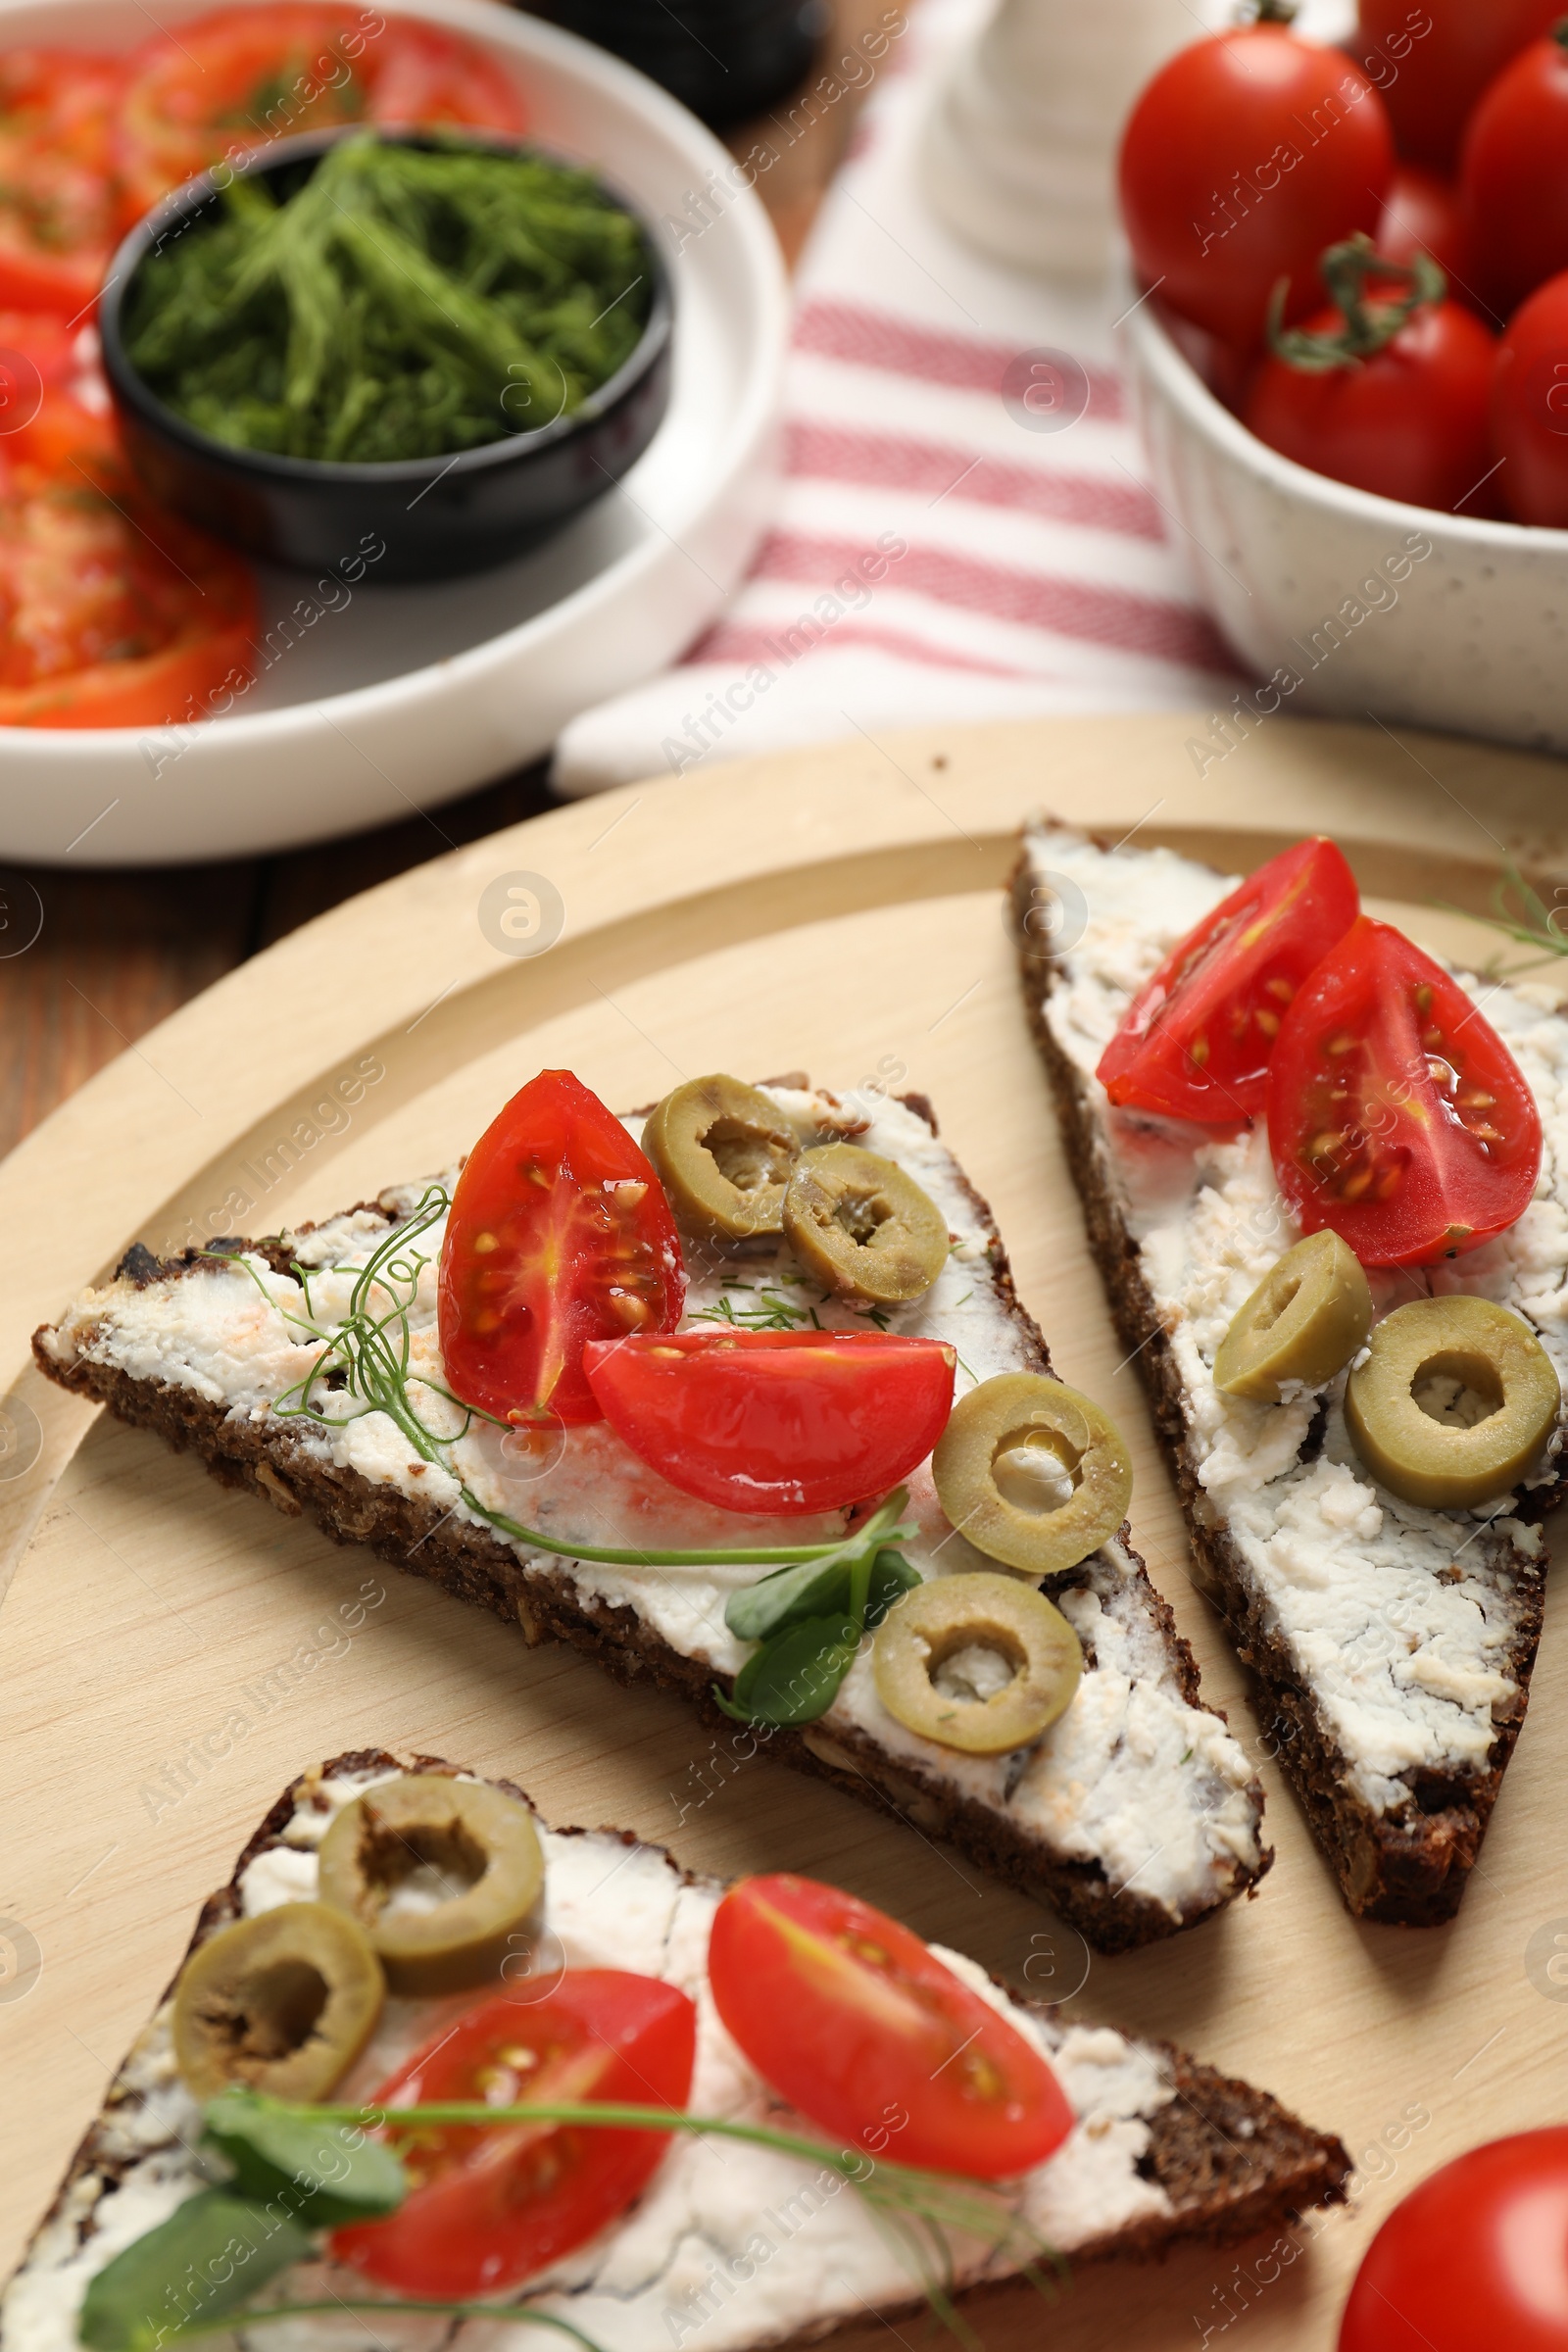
point(118, 952)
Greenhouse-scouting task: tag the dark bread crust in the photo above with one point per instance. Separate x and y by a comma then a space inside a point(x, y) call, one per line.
point(1407, 1870)
point(1230, 2157)
point(479, 1568)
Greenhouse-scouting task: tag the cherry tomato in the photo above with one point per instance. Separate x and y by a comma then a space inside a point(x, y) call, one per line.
point(57, 197)
point(1245, 157)
point(1529, 408)
point(113, 613)
point(233, 81)
point(1411, 422)
point(1476, 2255)
point(558, 1233)
point(1515, 186)
point(1395, 1114)
point(487, 2207)
point(855, 2022)
point(786, 1421)
point(1426, 214)
point(1197, 1041)
point(1431, 79)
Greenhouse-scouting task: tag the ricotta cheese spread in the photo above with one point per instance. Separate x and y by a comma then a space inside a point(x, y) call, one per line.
point(1132, 1778)
point(1399, 1620)
point(729, 2245)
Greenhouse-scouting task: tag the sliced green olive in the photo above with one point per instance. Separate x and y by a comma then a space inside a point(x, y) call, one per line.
point(978, 1662)
point(440, 1874)
point(864, 1227)
point(283, 2003)
point(1304, 1321)
point(1454, 1404)
point(724, 1152)
point(1032, 1473)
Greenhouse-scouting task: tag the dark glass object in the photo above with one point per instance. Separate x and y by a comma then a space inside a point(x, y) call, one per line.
point(724, 59)
point(435, 517)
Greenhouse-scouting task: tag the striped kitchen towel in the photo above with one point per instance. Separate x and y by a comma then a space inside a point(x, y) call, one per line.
point(965, 529)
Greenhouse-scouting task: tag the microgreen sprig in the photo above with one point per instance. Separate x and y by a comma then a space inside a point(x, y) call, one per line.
point(372, 1351)
point(299, 2169)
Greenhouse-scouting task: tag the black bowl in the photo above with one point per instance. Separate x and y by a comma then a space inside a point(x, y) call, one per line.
point(434, 517)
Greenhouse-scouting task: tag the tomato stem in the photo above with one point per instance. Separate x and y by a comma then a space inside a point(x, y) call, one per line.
point(1369, 326)
point(1277, 12)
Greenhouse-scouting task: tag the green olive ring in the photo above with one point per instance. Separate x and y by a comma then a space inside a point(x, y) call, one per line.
point(1487, 1348)
point(723, 1153)
point(863, 1227)
point(1308, 1317)
point(428, 1827)
point(1032, 1473)
point(979, 1610)
point(283, 2003)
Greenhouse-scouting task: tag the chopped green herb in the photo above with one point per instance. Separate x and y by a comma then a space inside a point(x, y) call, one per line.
point(403, 301)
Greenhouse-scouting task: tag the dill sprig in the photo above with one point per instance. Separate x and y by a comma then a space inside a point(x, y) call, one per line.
point(400, 301)
point(1521, 913)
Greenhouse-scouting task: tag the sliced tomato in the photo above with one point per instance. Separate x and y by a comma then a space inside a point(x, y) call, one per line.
point(486, 2207)
point(112, 613)
point(1397, 1116)
point(854, 2021)
point(558, 1234)
point(1477, 2254)
point(1197, 1041)
point(58, 109)
point(786, 1421)
point(242, 77)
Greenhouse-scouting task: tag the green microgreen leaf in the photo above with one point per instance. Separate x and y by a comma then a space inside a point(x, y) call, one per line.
point(815, 1588)
point(326, 2173)
point(212, 2254)
point(795, 1678)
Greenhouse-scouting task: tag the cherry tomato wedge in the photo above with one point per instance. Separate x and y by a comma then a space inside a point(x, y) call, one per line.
point(1477, 2254)
point(1395, 1114)
point(855, 2022)
point(57, 228)
point(558, 1234)
point(489, 2207)
point(1245, 157)
point(241, 77)
point(1197, 1041)
point(786, 1421)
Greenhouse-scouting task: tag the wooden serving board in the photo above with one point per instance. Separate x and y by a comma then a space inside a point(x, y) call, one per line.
point(171, 1654)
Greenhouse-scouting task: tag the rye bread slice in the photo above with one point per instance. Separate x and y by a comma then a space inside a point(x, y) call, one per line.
point(1402, 1837)
point(1138, 1816)
point(1167, 2149)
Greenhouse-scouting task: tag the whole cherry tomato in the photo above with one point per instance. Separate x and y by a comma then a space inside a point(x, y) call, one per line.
point(1432, 62)
point(1197, 1041)
point(1515, 173)
point(488, 2207)
point(1397, 1116)
point(1245, 157)
point(1476, 2255)
point(558, 1233)
point(1392, 397)
point(1529, 408)
point(860, 2025)
point(1426, 214)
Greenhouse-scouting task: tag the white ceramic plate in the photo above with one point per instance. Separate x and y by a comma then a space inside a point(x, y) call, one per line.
point(410, 696)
